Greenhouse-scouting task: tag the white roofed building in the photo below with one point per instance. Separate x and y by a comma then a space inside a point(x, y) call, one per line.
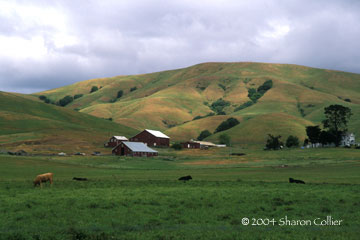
point(115, 140)
point(134, 149)
point(152, 138)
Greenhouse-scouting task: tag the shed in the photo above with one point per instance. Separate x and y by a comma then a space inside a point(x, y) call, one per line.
point(152, 138)
point(115, 140)
point(204, 144)
point(133, 149)
point(190, 144)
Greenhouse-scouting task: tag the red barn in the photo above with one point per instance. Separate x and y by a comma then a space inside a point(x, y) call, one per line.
point(115, 140)
point(134, 149)
point(190, 144)
point(152, 138)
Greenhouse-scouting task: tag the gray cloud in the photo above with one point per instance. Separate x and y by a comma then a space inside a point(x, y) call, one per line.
point(45, 45)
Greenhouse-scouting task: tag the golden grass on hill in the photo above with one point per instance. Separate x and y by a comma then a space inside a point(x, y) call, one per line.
point(169, 98)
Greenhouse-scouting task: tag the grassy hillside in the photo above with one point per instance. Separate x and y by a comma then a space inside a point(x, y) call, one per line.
point(170, 100)
point(38, 127)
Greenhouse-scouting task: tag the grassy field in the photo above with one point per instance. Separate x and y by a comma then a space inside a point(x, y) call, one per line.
point(141, 198)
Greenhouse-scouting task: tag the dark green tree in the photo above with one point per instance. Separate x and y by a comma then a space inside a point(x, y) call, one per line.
point(65, 100)
point(94, 89)
point(120, 93)
point(313, 133)
point(273, 142)
point(337, 118)
point(42, 97)
point(78, 96)
point(326, 137)
point(292, 141)
point(204, 134)
point(227, 124)
point(265, 87)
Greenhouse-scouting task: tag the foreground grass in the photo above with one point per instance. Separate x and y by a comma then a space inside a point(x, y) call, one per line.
point(124, 201)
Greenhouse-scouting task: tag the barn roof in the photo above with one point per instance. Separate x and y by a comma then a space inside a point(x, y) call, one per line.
point(156, 133)
point(138, 147)
point(121, 138)
point(210, 144)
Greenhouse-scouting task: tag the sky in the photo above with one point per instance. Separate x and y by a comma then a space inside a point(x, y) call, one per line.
point(48, 44)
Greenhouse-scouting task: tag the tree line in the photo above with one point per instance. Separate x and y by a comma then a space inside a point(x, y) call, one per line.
point(334, 127)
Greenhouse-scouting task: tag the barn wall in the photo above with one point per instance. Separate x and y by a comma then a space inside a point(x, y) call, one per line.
point(190, 145)
point(151, 140)
point(128, 152)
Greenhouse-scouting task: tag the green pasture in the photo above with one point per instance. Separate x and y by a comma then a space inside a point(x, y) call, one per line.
point(141, 198)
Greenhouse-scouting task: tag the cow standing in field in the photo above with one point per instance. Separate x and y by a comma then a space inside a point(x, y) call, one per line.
point(186, 178)
point(43, 178)
point(79, 179)
point(291, 180)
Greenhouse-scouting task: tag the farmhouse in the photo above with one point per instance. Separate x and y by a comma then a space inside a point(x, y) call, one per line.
point(133, 149)
point(348, 139)
point(115, 140)
point(152, 138)
point(190, 144)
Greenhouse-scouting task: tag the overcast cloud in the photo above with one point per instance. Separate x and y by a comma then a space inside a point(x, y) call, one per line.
point(48, 44)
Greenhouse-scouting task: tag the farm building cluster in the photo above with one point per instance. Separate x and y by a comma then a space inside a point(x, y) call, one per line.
point(139, 145)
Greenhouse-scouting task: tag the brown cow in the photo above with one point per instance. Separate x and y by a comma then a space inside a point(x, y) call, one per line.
point(43, 178)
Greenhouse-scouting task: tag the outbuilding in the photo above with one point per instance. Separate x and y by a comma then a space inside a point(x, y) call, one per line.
point(152, 138)
point(134, 149)
point(190, 144)
point(115, 140)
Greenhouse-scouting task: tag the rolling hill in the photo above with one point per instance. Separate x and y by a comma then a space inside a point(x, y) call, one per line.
point(170, 100)
point(30, 125)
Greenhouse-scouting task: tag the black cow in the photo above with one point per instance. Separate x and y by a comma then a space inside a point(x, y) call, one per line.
point(186, 178)
point(291, 180)
point(80, 179)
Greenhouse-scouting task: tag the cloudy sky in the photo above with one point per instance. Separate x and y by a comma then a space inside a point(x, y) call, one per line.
point(47, 44)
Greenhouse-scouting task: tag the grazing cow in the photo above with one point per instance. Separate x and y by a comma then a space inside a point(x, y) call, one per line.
point(186, 178)
point(43, 178)
point(80, 179)
point(291, 180)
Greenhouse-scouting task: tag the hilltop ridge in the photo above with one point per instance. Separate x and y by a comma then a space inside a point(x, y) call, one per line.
point(172, 100)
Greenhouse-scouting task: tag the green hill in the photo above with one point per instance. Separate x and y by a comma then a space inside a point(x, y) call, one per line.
point(170, 100)
point(28, 124)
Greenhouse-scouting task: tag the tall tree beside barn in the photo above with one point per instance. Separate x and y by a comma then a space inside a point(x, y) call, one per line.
point(337, 118)
point(313, 133)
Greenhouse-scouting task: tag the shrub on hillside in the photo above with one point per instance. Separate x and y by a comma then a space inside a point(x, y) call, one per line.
point(65, 100)
point(227, 124)
point(222, 86)
point(94, 89)
point(78, 96)
point(207, 115)
point(45, 99)
point(255, 94)
point(204, 134)
point(219, 105)
point(133, 89)
point(244, 105)
point(265, 87)
point(292, 141)
point(120, 93)
point(42, 97)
